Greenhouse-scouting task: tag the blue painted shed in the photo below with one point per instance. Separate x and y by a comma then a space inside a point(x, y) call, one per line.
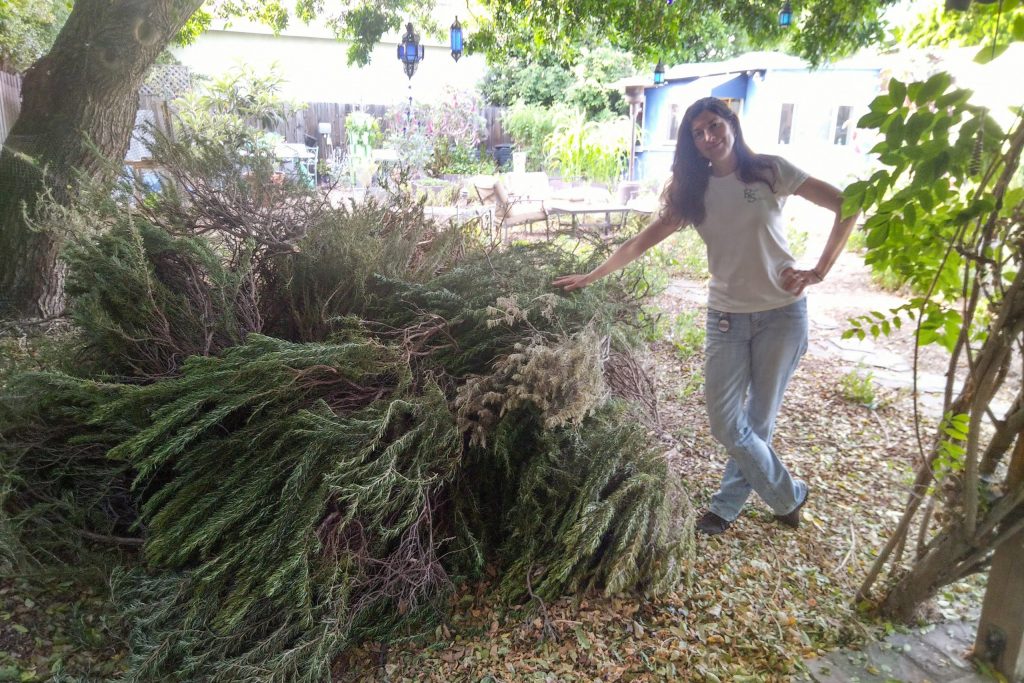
point(785, 108)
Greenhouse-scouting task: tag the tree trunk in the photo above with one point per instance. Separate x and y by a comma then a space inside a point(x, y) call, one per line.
point(930, 573)
point(77, 113)
point(1000, 638)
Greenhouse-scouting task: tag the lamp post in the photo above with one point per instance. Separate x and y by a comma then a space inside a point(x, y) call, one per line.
point(635, 99)
point(456, 39)
point(786, 15)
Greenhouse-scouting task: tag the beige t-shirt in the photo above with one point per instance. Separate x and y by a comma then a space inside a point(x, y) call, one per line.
point(747, 249)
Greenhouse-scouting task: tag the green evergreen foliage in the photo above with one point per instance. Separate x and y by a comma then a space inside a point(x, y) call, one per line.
point(332, 272)
point(424, 407)
point(294, 483)
point(59, 487)
point(145, 300)
point(590, 506)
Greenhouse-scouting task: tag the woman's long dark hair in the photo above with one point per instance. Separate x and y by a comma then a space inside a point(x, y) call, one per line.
point(684, 196)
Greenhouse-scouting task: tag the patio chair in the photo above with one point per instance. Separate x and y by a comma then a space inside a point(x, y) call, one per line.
point(510, 210)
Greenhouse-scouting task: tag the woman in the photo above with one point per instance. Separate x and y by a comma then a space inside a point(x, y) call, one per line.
point(757, 315)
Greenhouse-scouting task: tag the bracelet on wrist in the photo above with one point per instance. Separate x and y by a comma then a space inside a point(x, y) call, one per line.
point(818, 275)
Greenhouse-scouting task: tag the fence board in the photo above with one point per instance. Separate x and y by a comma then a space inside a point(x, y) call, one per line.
point(10, 102)
point(496, 134)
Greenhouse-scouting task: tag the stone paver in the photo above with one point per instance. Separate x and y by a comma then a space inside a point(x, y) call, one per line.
point(935, 654)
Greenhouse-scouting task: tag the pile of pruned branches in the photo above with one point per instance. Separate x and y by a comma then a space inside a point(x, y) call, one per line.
point(314, 420)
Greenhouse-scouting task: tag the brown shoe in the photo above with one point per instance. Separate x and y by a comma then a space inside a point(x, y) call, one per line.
point(711, 524)
point(792, 519)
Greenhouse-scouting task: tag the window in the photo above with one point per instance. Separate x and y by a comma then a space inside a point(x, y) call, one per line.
point(734, 104)
point(675, 117)
point(843, 124)
point(786, 124)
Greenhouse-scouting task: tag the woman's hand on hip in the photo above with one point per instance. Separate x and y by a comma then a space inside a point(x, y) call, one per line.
point(794, 281)
point(571, 282)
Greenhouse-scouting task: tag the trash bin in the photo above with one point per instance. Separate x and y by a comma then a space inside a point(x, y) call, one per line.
point(503, 156)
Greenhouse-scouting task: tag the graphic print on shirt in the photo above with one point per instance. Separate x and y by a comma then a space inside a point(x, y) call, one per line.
point(750, 194)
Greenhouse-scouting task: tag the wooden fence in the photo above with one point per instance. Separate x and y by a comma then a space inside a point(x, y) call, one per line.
point(295, 128)
point(306, 122)
point(10, 102)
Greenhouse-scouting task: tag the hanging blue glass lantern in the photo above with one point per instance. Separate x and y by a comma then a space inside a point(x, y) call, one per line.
point(456, 39)
point(659, 73)
point(786, 15)
point(410, 52)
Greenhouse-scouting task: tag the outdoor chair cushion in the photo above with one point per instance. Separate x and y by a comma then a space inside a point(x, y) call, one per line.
point(513, 210)
point(509, 209)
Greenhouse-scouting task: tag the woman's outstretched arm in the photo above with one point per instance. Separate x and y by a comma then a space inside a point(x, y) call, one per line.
point(660, 228)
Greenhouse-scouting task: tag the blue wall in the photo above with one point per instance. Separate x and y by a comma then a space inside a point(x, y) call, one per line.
point(816, 97)
point(658, 147)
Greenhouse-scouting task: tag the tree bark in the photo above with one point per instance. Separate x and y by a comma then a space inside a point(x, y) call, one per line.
point(936, 569)
point(77, 114)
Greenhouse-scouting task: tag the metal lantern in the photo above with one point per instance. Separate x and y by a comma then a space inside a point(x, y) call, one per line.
point(456, 39)
point(410, 52)
point(659, 73)
point(786, 15)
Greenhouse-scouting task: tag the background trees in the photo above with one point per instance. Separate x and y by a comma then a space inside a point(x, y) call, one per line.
point(681, 31)
point(28, 29)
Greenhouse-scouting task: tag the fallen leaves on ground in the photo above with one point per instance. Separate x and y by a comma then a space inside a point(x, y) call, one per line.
point(51, 625)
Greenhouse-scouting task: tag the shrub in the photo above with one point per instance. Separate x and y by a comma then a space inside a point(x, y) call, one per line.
point(590, 92)
point(530, 126)
point(582, 149)
point(530, 81)
point(435, 138)
point(857, 387)
point(688, 334)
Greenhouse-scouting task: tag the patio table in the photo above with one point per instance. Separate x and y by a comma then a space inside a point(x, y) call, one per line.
point(603, 214)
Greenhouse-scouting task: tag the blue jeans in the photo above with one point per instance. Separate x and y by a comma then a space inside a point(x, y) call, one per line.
point(750, 359)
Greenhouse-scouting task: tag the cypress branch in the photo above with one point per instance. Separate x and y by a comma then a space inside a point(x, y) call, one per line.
point(423, 408)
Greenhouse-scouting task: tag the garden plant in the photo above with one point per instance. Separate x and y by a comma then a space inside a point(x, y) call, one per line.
point(946, 215)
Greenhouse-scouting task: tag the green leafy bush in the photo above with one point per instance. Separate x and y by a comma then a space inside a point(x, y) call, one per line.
point(529, 81)
point(530, 126)
point(589, 91)
point(934, 143)
point(946, 219)
point(582, 149)
point(688, 334)
point(858, 387)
